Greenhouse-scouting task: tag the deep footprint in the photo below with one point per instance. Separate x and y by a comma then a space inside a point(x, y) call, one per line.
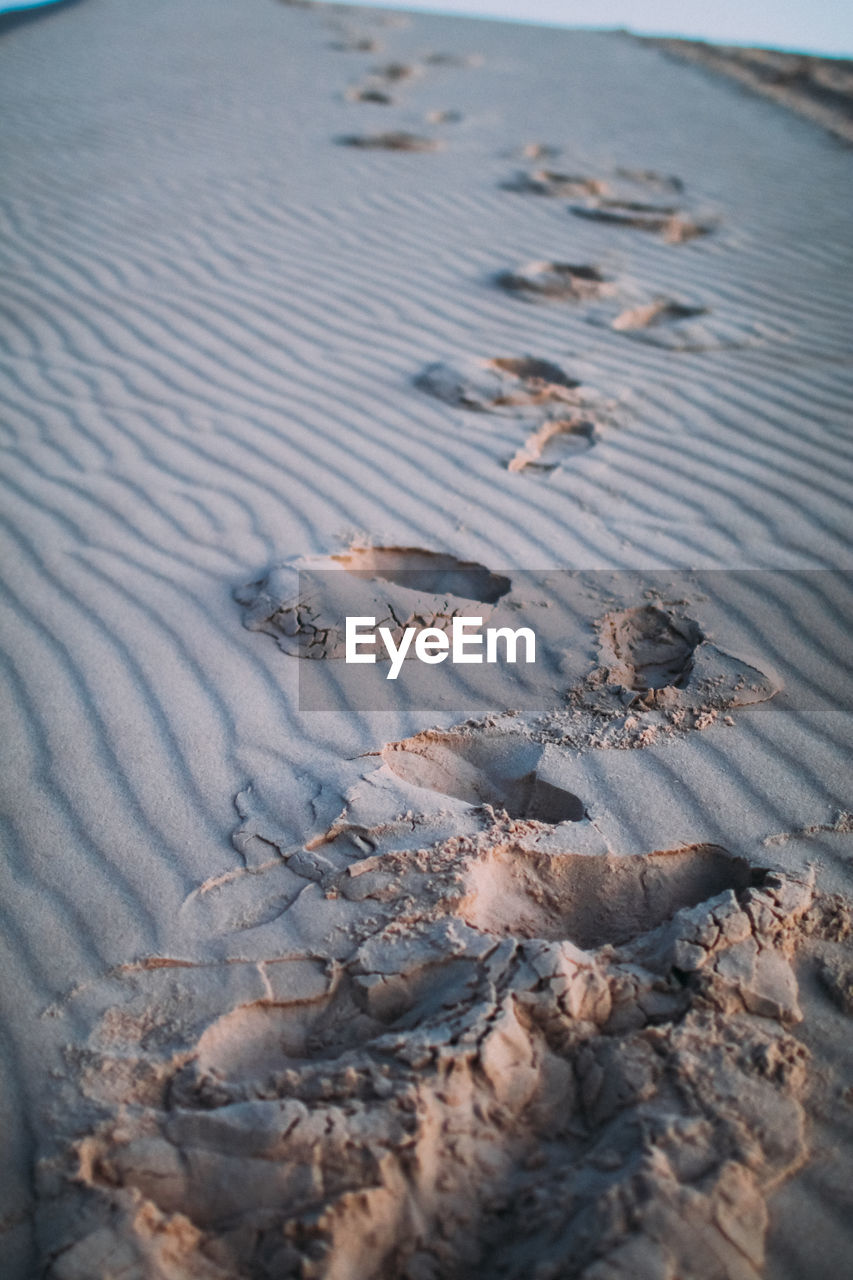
point(594, 901)
point(500, 771)
point(647, 648)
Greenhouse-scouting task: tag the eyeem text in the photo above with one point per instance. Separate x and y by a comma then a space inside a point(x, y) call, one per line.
point(467, 642)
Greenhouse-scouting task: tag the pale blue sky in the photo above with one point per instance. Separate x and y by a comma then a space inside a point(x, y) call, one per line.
point(820, 26)
point(817, 26)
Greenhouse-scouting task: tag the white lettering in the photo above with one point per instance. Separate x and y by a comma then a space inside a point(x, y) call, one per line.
point(431, 645)
point(510, 639)
point(353, 640)
point(396, 652)
point(460, 639)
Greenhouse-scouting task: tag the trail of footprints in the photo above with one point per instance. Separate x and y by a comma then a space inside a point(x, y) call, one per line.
point(526, 1060)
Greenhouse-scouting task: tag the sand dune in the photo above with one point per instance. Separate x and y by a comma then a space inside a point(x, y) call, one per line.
point(559, 988)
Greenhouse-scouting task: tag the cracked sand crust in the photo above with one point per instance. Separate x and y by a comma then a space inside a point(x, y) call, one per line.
point(462, 1088)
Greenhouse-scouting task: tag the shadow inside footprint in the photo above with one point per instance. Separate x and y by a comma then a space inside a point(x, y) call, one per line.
point(426, 571)
point(497, 770)
point(594, 900)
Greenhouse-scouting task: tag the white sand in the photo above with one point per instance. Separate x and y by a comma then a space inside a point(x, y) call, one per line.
point(215, 315)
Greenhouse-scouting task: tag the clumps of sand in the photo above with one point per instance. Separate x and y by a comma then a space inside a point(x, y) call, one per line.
point(303, 603)
point(466, 1091)
point(658, 675)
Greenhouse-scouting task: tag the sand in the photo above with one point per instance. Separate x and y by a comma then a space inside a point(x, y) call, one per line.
point(542, 976)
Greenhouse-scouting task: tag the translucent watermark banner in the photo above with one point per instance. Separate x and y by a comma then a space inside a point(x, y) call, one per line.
point(404, 629)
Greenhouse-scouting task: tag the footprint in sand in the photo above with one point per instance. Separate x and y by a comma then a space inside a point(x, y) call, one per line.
point(499, 1019)
point(548, 182)
point(440, 116)
point(689, 326)
point(594, 901)
point(454, 59)
point(303, 602)
point(566, 281)
point(649, 648)
point(663, 311)
point(501, 770)
point(557, 439)
point(658, 675)
point(666, 220)
point(357, 44)
point(519, 1030)
point(396, 72)
point(370, 93)
point(564, 413)
point(395, 141)
point(502, 383)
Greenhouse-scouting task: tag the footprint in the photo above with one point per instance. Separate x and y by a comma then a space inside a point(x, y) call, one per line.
point(370, 93)
point(594, 901)
point(503, 770)
point(663, 311)
point(659, 675)
point(395, 141)
point(252, 1040)
point(547, 182)
point(518, 1083)
point(679, 326)
point(444, 117)
point(537, 151)
point(304, 602)
point(561, 280)
point(499, 383)
point(668, 221)
point(396, 72)
point(358, 44)
point(575, 435)
point(454, 59)
point(648, 648)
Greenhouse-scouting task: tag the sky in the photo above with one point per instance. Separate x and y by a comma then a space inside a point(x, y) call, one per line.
point(811, 26)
